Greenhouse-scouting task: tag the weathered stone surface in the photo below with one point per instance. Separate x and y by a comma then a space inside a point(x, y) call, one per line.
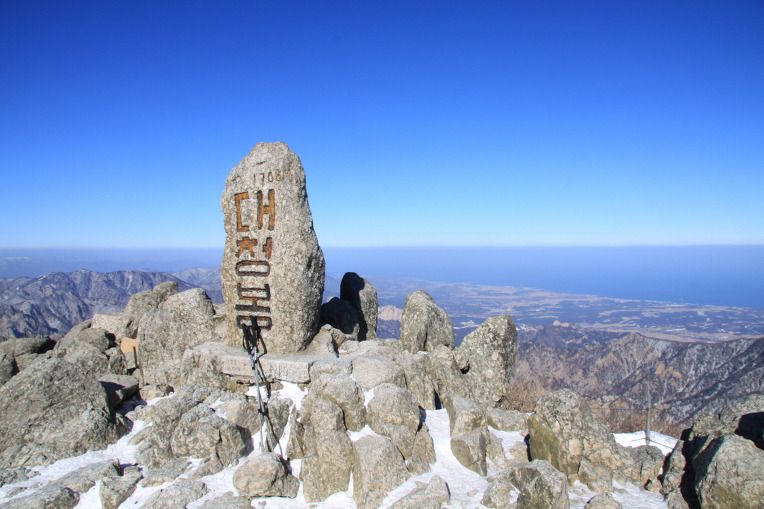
point(728, 474)
point(50, 411)
point(152, 391)
point(341, 314)
point(603, 501)
point(394, 413)
point(418, 382)
point(470, 449)
point(200, 433)
point(118, 325)
point(362, 295)
point(370, 372)
point(327, 465)
point(491, 350)
point(22, 352)
point(150, 300)
point(84, 478)
point(115, 490)
point(119, 388)
point(506, 420)
point(464, 415)
point(49, 497)
point(8, 367)
point(564, 431)
point(424, 325)
point(378, 467)
point(271, 250)
point(345, 393)
point(265, 475)
point(227, 501)
point(179, 494)
point(167, 472)
point(431, 495)
point(501, 493)
point(442, 370)
point(182, 321)
point(423, 452)
point(541, 486)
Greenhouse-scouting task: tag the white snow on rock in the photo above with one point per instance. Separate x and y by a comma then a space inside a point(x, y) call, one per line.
point(636, 439)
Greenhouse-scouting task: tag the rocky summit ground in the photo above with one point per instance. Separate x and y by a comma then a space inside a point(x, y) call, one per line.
point(419, 422)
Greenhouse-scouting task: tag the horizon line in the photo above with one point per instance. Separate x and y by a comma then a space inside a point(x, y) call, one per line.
point(392, 246)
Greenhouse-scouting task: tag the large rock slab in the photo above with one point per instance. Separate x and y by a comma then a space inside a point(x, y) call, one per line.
point(378, 467)
point(273, 267)
point(729, 473)
point(565, 432)
point(181, 321)
point(52, 410)
point(491, 350)
point(424, 325)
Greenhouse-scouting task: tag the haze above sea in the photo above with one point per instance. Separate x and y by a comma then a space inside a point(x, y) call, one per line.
point(717, 275)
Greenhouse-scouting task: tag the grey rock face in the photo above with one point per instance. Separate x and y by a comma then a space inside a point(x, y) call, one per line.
point(603, 501)
point(463, 415)
point(201, 433)
point(21, 352)
point(271, 250)
point(470, 449)
point(541, 486)
point(182, 321)
point(442, 369)
point(320, 437)
point(178, 494)
point(370, 372)
point(53, 497)
point(491, 350)
point(118, 325)
point(506, 420)
point(50, 411)
point(424, 325)
point(265, 475)
point(345, 393)
point(362, 295)
point(378, 467)
point(728, 473)
point(228, 501)
point(148, 300)
point(423, 453)
point(115, 490)
point(394, 413)
point(431, 495)
point(564, 431)
point(418, 381)
point(341, 315)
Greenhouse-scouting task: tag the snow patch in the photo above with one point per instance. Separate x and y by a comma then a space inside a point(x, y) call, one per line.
point(637, 439)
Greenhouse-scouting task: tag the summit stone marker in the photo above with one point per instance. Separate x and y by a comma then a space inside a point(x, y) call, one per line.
point(273, 267)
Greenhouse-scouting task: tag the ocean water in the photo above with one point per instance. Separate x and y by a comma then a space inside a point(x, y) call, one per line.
point(721, 275)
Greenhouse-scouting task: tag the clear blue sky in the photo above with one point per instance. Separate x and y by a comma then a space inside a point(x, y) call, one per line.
point(442, 123)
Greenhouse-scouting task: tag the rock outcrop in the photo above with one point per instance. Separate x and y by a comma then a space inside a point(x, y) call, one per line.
point(273, 267)
point(490, 351)
point(52, 410)
point(424, 325)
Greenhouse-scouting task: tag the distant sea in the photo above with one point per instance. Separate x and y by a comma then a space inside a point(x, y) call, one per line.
point(720, 275)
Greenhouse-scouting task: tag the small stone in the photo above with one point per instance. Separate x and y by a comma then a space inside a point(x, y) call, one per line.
point(506, 420)
point(432, 495)
point(265, 475)
point(394, 413)
point(540, 486)
point(227, 501)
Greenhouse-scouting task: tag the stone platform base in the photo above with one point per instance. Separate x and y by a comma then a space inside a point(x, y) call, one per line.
point(226, 364)
point(234, 362)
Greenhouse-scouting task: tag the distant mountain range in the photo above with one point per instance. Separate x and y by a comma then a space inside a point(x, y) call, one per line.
point(613, 368)
point(50, 305)
point(623, 375)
